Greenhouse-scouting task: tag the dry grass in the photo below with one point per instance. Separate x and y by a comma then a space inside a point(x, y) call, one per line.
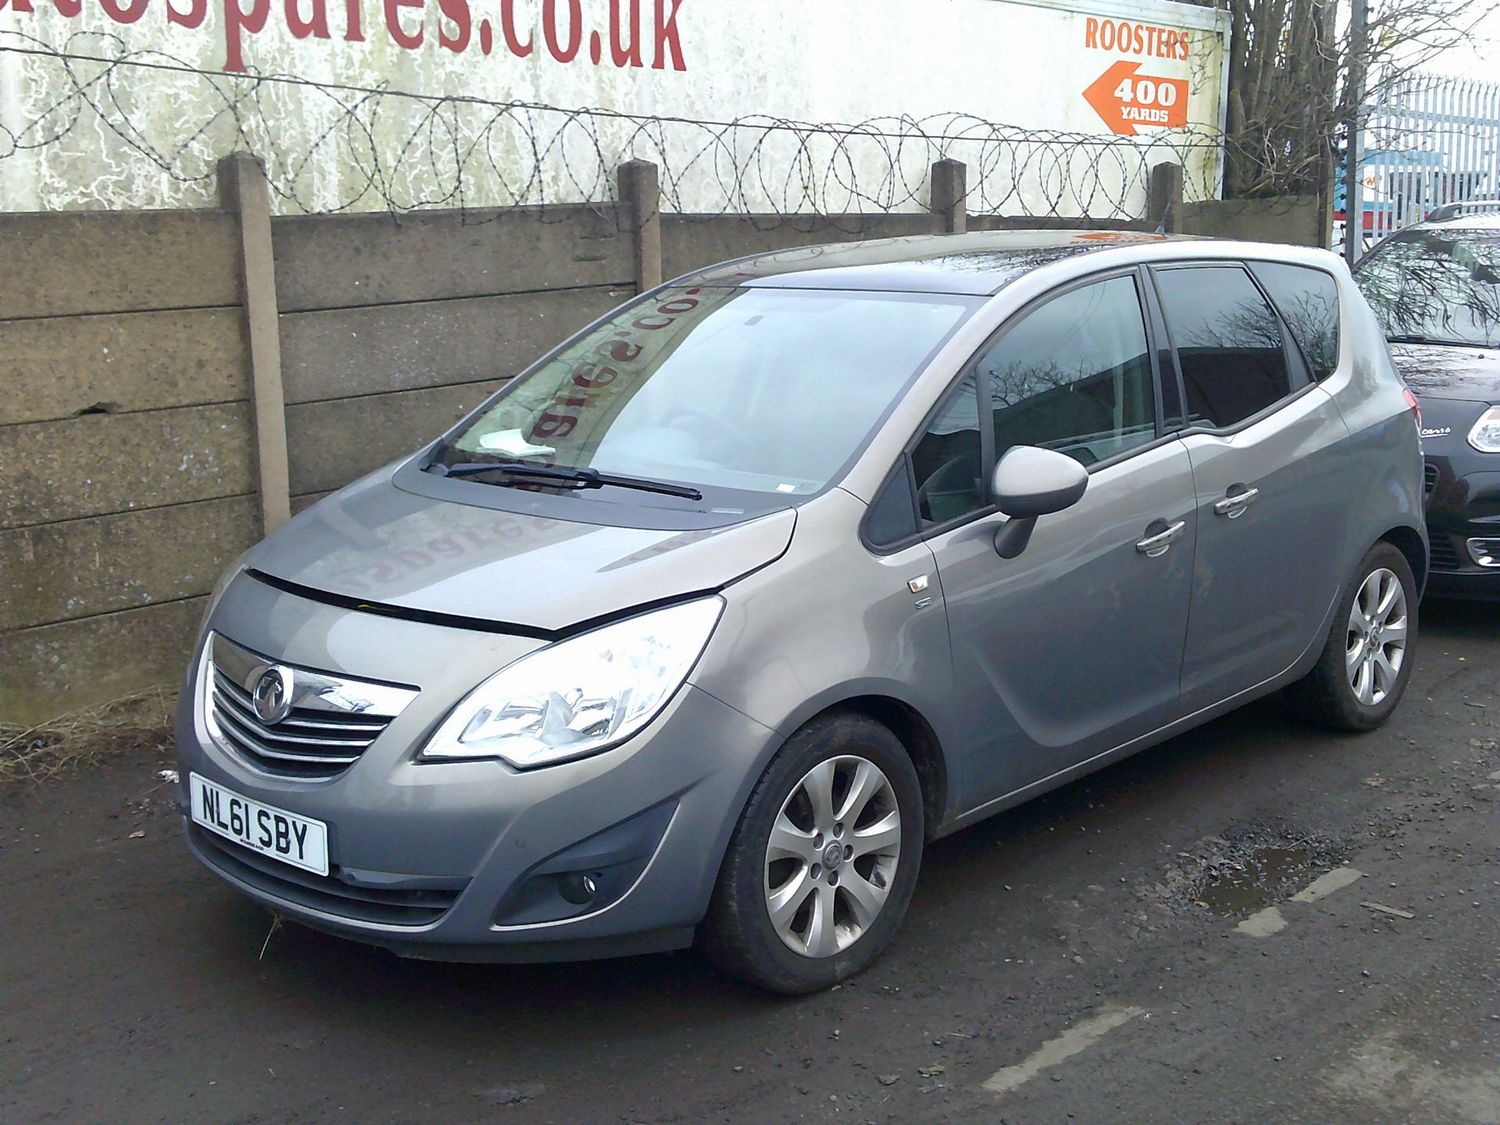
point(136, 723)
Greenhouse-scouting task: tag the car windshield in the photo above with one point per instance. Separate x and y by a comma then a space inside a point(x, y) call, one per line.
point(1436, 285)
point(767, 391)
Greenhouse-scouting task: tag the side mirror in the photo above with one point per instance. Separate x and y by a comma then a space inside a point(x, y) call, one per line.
point(1028, 483)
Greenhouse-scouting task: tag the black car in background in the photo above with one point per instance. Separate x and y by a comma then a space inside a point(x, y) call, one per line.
point(1436, 288)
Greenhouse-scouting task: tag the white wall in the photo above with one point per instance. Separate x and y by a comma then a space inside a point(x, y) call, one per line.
point(92, 135)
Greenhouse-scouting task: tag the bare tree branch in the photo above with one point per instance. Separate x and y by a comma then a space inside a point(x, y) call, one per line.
point(1288, 80)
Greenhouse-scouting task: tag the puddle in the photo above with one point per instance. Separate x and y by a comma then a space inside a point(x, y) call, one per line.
point(1245, 869)
point(1241, 886)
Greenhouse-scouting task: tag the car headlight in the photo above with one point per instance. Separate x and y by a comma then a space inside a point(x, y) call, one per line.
point(1485, 436)
point(581, 695)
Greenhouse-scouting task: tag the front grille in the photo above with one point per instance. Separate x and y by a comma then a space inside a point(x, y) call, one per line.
point(298, 744)
point(1429, 477)
point(331, 722)
point(328, 893)
point(1443, 554)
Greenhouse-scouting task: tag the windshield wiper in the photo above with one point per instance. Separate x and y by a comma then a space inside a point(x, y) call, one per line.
point(565, 478)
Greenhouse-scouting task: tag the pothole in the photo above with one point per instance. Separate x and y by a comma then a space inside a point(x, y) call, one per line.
point(1238, 873)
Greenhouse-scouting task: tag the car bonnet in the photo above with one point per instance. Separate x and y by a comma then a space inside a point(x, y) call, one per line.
point(376, 544)
point(1457, 371)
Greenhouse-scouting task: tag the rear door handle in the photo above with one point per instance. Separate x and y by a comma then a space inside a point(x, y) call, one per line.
point(1238, 499)
point(1161, 538)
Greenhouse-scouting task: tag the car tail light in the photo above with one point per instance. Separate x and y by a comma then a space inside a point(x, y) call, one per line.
point(1413, 405)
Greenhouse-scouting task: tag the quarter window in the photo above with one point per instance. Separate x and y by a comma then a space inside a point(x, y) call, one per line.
point(893, 515)
point(1228, 343)
point(1075, 375)
point(948, 461)
point(1308, 301)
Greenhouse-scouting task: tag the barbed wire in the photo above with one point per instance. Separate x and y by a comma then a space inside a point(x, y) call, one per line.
point(95, 132)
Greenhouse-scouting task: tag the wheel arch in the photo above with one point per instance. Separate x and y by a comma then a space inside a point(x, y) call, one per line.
point(916, 736)
point(1410, 543)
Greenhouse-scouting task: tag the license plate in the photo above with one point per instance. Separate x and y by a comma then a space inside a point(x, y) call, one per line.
point(270, 831)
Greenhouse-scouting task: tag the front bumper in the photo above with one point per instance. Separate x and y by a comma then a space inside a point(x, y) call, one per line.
point(1462, 504)
point(468, 860)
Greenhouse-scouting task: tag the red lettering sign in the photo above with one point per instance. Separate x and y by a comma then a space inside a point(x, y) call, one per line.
point(615, 33)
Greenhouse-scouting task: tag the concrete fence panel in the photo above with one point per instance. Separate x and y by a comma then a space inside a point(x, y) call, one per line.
point(1013, 222)
point(61, 367)
point(69, 263)
point(1293, 219)
point(391, 331)
point(126, 446)
point(61, 571)
point(340, 353)
point(102, 464)
point(337, 441)
point(58, 668)
point(690, 242)
point(343, 261)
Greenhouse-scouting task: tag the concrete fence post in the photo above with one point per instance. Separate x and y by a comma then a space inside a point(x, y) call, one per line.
point(1326, 179)
point(1164, 198)
point(243, 189)
point(640, 198)
point(950, 210)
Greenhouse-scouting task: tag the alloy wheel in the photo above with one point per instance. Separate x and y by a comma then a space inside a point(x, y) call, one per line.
point(1375, 644)
point(832, 855)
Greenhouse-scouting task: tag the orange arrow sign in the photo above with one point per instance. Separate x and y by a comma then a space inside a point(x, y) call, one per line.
point(1125, 99)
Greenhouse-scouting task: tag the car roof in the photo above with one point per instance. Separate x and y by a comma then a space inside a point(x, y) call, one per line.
point(977, 264)
point(1488, 222)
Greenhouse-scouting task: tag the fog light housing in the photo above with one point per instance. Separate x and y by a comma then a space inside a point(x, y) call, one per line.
point(1485, 552)
point(587, 876)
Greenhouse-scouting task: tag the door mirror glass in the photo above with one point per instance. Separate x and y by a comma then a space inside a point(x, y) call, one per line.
point(1031, 482)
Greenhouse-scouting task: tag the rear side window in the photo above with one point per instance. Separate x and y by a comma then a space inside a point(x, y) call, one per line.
point(1308, 300)
point(1228, 343)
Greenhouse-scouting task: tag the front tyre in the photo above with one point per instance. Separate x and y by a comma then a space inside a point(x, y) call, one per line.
point(823, 862)
point(1367, 662)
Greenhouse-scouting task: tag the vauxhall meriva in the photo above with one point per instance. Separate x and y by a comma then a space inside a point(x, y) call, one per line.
point(701, 627)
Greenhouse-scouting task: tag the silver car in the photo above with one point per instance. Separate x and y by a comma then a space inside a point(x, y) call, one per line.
point(699, 629)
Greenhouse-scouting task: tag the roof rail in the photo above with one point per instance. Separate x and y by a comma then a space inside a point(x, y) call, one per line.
point(1457, 210)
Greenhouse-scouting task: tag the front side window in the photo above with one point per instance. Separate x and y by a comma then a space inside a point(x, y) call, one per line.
point(1075, 375)
point(757, 392)
point(1228, 343)
point(1436, 286)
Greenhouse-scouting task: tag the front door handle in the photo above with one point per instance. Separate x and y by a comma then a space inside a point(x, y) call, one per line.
point(1238, 498)
point(1161, 537)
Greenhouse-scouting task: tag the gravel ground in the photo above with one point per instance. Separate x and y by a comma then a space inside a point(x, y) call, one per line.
point(1131, 947)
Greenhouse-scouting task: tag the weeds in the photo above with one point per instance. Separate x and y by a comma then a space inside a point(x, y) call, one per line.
point(275, 925)
point(133, 724)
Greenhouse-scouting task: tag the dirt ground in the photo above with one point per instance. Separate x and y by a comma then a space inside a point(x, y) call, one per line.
point(1253, 922)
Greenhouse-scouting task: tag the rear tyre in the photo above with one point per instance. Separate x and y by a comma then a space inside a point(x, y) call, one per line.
point(1367, 662)
point(822, 864)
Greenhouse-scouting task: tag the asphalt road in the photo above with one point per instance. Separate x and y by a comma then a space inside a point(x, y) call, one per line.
point(1123, 949)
